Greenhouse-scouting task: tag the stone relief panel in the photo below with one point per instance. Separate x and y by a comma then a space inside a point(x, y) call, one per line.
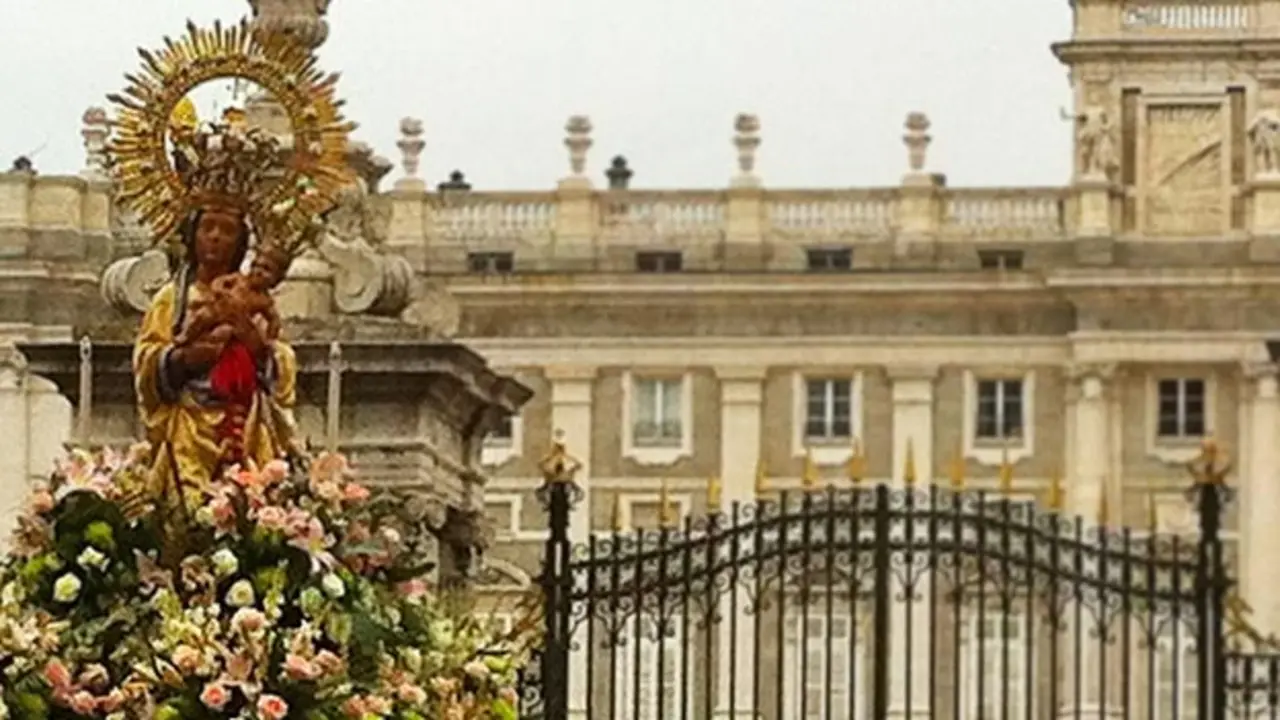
point(1184, 175)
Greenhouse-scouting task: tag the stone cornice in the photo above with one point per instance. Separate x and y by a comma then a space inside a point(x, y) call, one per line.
point(60, 363)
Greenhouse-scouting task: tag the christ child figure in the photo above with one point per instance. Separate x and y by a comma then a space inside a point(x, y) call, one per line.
point(240, 298)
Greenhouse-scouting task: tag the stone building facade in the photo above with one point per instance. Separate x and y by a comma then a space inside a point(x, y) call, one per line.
point(1097, 332)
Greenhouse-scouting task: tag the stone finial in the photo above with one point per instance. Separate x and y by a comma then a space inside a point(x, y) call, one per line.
point(746, 138)
point(917, 139)
point(302, 19)
point(411, 145)
point(618, 174)
point(578, 140)
point(95, 131)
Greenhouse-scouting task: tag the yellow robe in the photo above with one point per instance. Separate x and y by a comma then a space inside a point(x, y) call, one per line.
point(181, 429)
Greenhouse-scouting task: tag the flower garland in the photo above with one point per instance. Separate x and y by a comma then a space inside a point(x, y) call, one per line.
point(298, 598)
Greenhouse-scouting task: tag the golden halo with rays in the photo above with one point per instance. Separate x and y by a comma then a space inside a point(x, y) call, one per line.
point(138, 154)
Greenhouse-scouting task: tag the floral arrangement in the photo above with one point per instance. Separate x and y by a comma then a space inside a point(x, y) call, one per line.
point(294, 596)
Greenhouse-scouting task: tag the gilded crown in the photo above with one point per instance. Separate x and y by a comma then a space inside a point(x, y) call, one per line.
point(168, 163)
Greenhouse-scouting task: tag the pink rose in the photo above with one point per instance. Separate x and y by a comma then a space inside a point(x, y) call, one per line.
point(327, 491)
point(272, 707)
point(354, 707)
point(329, 663)
point(411, 694)
point(215, 696)
point(275, 471)
point(508, 694)
point(239, 667)
point(42, 502)
point(413, 589)
point(355, 493)
point(83, 702)
point(272, 518)
point(186, 659)
point(57, 675)
point(378, 705)
point(248, 620)
point(297, 667)
point(110, 702)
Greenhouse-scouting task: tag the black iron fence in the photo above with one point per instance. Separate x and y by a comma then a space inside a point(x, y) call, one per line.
point(874, 602)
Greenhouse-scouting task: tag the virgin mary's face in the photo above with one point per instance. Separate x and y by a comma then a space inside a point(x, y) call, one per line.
point(217, 239)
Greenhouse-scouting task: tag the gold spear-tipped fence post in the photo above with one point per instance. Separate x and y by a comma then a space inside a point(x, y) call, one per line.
point(857, 466)
point(618, 524)
point(909, 465)
point(666, 517)
point(762, 479)
point(1104, 507)
point(1004, 478)
point(1055, 492)
point(715, 492)
point(1212, 466)
point(1153, 512)
point(957, 470)
point(809, 477)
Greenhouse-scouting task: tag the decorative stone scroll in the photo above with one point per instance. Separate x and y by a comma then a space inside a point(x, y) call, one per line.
point(128, 284)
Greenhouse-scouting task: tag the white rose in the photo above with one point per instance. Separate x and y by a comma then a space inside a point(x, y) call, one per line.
point(241, 594)
point(333, 586)
point(92, 558)
point(67, 588)
point(225, 563)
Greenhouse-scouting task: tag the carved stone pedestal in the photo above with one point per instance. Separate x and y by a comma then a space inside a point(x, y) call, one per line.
point(412, 413)
point(1095, 232)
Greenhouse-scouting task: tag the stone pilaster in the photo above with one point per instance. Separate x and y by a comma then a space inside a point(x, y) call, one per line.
point(1261, 502)
point(910, 653)
point(1091, 434)
point(741, 395)
point(571, 392)
point(1091, 440)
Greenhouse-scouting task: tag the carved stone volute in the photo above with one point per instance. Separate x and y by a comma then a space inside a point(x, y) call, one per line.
point(128, 284)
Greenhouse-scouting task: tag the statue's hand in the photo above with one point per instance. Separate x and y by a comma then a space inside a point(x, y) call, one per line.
point(201, 353)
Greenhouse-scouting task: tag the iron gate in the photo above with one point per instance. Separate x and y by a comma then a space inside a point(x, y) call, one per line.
point(865, 603)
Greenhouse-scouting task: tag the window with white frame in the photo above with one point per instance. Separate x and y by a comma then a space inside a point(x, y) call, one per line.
point(825, 665)
point(1175, 677)
point(828, 413)
point(996, 671)
point(998, 412)
point(649, 672)
point(1180, 408)
point(656, 412)
point(503, 434)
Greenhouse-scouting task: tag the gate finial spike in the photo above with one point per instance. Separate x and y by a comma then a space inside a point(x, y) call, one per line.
point(714, 490)
point(1104, 509)
point(666, 517)
point(909, 465)
point(957, 469)
point(1055, 492)
point(857, 466)
point(617, 512)
point(762, 478)
point(809, 478)
point(1153, 512)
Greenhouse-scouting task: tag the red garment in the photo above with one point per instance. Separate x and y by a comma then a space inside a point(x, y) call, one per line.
point(234, 378)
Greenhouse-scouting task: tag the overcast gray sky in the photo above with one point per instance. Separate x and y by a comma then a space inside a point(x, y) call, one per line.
point(494, 80)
